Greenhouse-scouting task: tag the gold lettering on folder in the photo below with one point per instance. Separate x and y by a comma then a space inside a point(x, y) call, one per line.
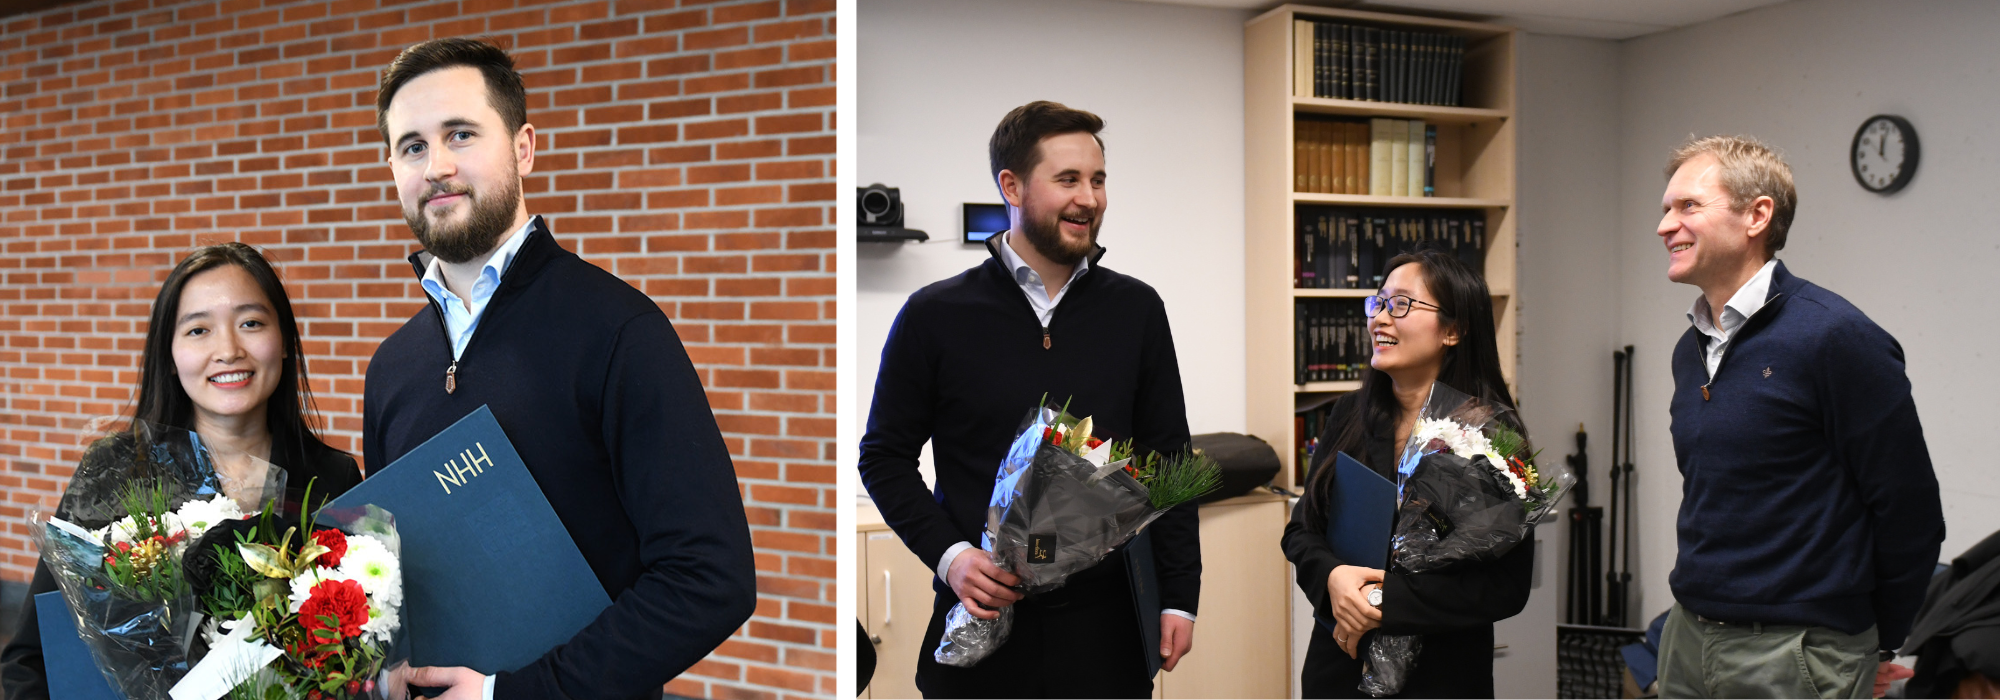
point(455, 475)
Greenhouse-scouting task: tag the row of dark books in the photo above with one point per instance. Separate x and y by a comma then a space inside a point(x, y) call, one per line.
point(1346, 247)
point(1308, 423)
point(1386, 157)
point(1330, 340)
point(1344, 61)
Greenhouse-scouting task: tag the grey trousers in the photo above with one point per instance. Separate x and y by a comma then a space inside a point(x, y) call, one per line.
point(1707, 659)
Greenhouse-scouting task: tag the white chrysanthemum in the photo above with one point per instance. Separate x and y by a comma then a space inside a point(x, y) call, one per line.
point(370, 563)
point(198, 516)
point(1468, 443)
point(303, 583)
point(382, 622)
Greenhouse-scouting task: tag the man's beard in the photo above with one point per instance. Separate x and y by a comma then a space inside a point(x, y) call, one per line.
point(491, 217)
point(1047, 238)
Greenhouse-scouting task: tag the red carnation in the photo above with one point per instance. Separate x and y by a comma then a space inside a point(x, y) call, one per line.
point(333, 540)
point(341, 600)
point(1092, 443)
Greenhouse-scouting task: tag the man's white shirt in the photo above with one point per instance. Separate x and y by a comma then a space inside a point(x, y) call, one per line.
point(1740, 307)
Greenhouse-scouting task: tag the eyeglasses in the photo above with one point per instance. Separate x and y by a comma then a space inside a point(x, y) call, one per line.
point(1398, 306)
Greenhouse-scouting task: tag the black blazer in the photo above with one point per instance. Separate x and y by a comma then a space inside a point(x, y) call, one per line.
point(22, 675)
point(1454, 608)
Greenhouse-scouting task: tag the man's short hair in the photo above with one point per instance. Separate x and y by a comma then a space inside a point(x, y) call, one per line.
point(1750, 170)
point(504, 90)
point(1015, 144)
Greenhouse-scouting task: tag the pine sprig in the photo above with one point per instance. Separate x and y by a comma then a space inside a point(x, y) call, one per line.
point(1182, 478)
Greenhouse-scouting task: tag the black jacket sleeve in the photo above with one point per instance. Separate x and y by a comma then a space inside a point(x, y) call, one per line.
point(678, 486)
point(22, 675)
point(1873, 421)
point(900, 421)
point(1159, 418)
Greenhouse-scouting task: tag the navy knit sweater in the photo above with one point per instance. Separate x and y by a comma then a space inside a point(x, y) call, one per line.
point(594, 390)
point(964, 363)
point(1807, 494)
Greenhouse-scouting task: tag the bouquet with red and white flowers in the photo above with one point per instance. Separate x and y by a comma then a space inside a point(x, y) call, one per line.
point(298, 609)
point(1063, 499)
point(1469, 490)
point(116, 544)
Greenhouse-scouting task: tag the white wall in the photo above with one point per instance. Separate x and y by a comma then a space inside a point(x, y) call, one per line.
point(1567, 186)
point(1802, 76)
point(937, 75)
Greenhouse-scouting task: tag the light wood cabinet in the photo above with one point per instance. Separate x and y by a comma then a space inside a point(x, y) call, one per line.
point(1240, 638)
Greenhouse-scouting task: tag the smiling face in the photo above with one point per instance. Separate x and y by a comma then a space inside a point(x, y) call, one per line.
point(457, 167)
point(1061, 204)
point(1416, 342)
point(1706, 242)
point(228, 351)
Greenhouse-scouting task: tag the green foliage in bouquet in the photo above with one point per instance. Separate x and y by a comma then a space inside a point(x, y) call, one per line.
point(1182, 478)
point(147, 567)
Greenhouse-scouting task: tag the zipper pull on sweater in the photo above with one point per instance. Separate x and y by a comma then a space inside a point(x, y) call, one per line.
point(1045, 337)
point(451, 378)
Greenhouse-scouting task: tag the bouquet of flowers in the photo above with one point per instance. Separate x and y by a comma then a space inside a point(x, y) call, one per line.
point(116, 542)
point(1469, 490)
point(297, 612)
point(1063, 499)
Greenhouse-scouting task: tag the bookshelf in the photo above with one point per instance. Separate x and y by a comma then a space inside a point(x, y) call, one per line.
point(1474, 171)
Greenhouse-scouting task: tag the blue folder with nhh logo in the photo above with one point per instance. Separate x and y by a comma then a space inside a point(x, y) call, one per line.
point(491, 579)
point(1360, 512)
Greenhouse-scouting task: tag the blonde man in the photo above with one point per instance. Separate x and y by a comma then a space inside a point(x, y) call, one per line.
point(1810, 519)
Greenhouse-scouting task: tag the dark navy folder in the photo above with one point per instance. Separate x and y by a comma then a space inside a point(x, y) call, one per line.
point(71, 671)
point(1358, 517)
point(1145, 582)
point(491, 580)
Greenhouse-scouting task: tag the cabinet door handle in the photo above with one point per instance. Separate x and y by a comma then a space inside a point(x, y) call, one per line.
point(888, 599)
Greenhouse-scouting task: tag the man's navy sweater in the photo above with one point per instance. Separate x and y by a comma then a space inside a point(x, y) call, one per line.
point(595, 391)
point(1807, 495)
point(965, 362)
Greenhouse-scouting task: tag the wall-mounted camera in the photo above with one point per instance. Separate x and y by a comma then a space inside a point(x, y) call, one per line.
point(881, 216)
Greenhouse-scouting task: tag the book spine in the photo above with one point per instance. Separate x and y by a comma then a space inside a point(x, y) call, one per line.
point(1379, 150)
point(1430, 160)
point(1302, 65)
point(1373, 58)
point(1353, 250)
point(1336, 64)
point(1299, 342)
point(1301, 166)
point(1336, 137)
point(1323, 266)
point(1399, 158)
point(1418, 132)
point(1457, 76)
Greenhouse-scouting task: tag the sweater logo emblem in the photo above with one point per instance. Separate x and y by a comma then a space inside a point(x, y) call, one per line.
point(1767, 373)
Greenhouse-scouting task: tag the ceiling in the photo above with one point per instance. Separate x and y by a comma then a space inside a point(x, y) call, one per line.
point(1600, 19)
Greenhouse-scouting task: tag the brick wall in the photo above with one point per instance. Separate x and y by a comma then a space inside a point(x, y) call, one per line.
point(686, 146)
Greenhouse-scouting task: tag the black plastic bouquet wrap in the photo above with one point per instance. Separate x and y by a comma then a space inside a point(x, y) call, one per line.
point(1469, 490)
point(1062, 501)
point(115, 543)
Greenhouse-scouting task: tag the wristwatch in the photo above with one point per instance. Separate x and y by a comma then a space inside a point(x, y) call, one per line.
point(1375, 596)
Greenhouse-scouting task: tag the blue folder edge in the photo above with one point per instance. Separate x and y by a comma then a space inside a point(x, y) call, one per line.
point(71, 671)
point(1145, 598)
point(1361, 510)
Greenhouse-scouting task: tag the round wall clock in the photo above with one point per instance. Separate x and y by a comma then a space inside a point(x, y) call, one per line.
point(1884, 155)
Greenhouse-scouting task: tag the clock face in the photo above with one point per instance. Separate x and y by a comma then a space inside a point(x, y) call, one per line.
point(1885, 153)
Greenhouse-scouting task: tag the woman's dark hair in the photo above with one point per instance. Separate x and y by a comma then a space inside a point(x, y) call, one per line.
point(163, 401)
point(1472, 366)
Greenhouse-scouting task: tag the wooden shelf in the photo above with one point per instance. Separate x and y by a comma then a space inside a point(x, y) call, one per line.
point(1474, 168)
point(1371, 200)
point(1434, 114)
point(1314, 387)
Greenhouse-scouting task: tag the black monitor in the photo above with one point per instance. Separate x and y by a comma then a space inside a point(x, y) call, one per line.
point(984, 220)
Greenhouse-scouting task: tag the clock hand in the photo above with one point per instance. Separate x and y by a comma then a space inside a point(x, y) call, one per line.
point(1880, 145)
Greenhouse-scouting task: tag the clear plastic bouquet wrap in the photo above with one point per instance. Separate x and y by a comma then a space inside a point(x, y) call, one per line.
point(1062, 501)
point(1469, 489)
point(115, 546)
point(298, 612)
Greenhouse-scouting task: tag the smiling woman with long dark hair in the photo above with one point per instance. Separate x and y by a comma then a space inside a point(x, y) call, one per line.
point(1433, 323)
point(222, 358)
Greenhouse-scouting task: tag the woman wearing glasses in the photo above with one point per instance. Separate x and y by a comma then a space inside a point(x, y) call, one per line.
point(1431, 321)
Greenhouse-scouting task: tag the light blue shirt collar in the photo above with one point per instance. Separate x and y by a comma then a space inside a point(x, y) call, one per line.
point(459, 320)
point(1031, 281)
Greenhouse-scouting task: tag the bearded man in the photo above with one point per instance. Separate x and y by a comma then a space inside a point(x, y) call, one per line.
point(967, 358)
point(583, 372)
